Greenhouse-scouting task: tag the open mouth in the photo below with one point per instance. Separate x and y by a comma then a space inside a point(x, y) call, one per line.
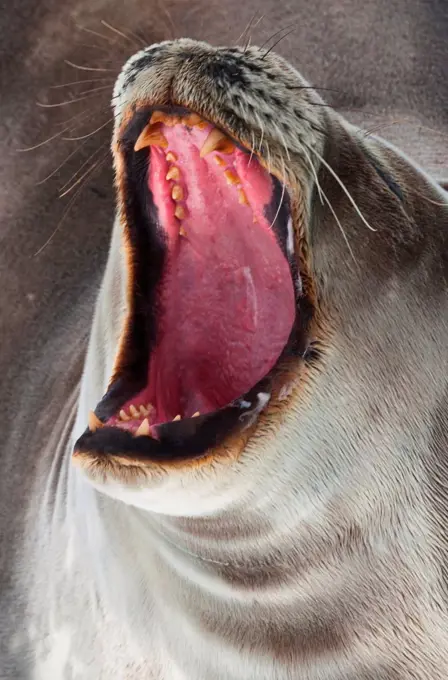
point(214, 293)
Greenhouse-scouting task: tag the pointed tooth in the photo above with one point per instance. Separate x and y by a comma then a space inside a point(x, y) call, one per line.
point(151, 135)
point(231, 177)
point(218, 160)
point(124, 415)
point(173, 173)
point(216, 141)
point(94, 422)
point(177, 193)
point(195, 415)
point(144, 411)
point(177, 417)
point(143, 429)
point(171, 157)
point(134, 411)
point(180, 212)
point(158, 117)
point(182, 232)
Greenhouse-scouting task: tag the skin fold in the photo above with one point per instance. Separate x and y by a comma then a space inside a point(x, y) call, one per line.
point(343, 488)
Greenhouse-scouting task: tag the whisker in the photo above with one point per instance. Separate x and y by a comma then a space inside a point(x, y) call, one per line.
point(313, 170)
point(75, 174)
point(74, 139)
point(53, 172)
point(279, 205)
point(87, 172)
point(338, 222)
point(96, 89)
point(247, 45)
point(67, 102)
point(377, 128)
point(98, 35)
point(171, 22)
point(140, 36)
point(61, 132)
point(88, 68)
point(82, 82)
point(90, 113)
point(277, 42)
point(442, 204)
point(66, 212)
point(46, 141)
point(94, 47)
point(123, 35)
point(343, 187)
point(276, 33)
point(252, 148)
point(248, 25)
point(323, 197)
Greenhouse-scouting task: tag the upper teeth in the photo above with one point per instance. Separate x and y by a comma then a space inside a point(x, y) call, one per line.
point(216, 141)
point(135, 412)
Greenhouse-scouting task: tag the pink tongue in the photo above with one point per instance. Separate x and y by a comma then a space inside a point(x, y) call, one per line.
point(227, 298)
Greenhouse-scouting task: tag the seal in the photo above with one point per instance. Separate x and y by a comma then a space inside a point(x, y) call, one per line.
point(259, 477)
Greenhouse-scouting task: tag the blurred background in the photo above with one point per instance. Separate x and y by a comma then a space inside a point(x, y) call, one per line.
point(385, 63)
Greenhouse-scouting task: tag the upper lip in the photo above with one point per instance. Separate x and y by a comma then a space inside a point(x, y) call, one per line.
point(190, 436)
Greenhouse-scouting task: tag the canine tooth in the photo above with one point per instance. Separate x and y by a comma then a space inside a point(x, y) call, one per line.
point(134, 411)
point(216, 141)
point(173, 173)
point(94, 422)
point(177, 417)
point(218, 160)
point(143, 428)
point(180, 212)
point(171, 157)
point(124, 415)
point(195, 415)
point(231, 177)
point(151, 135)
point(182, 232)
point(144, 411)
point(177, 193)
point(242, 198)
point(158, 117)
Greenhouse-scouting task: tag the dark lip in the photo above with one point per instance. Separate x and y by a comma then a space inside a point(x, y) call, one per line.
point(189, 437)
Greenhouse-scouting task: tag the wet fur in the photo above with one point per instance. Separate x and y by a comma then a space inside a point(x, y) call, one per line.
point(325, 553)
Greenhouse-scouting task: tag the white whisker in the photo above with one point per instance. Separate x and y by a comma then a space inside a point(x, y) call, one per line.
point(82, 82)
point(80, 179)
point(327, 201)
point(98, 35)
point(313, 170)
point(343, 187)
point(252, 149)
point(75, 174)
point(67, 102)
point(279, 205)
point(123, 35)
point(74, 139)
point(66, 212)
point(87, 68)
